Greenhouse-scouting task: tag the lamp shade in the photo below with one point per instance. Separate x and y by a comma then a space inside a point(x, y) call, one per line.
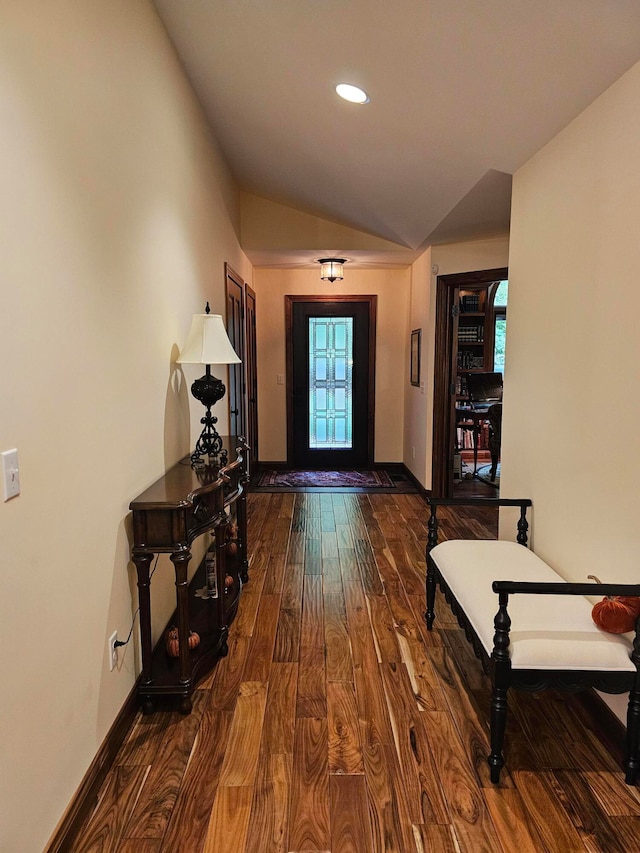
point(207, 342)
point(331, 269)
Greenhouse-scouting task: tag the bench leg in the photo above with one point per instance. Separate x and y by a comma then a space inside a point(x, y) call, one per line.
point(632, 761)
point(431, 594)
point(498, 727)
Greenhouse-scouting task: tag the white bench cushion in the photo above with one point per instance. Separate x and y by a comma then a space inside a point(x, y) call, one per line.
point(547, 631)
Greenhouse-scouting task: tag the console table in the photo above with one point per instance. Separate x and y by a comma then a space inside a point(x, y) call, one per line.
point(167, 517)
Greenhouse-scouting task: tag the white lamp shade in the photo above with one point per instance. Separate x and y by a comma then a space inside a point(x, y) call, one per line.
point(207, 342)
point(331, 269)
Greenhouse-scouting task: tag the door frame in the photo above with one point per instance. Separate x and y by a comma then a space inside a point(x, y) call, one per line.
point(251, 373)
point(236, 375)
point(443, 400)
point(372, 302)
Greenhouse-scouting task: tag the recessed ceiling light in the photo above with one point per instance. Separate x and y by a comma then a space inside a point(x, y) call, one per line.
point(352, 93)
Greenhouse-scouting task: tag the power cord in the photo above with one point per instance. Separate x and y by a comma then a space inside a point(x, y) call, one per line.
point(119, 643)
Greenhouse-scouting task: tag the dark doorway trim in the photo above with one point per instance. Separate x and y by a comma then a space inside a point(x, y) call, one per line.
point(372, 302)
point(442, 449)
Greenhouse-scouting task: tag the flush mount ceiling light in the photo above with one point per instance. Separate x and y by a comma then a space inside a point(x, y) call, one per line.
point(352, 93)
point(331, 269)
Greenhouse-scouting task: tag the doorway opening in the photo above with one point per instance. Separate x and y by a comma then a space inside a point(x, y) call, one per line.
point(330, 381)
point(471, 313)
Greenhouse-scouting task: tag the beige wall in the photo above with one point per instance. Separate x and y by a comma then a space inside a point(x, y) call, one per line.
point(392, 289)
point(571, 406)
point(267, 227)
point(438, 260)
point(116, 217)
point(418, 412)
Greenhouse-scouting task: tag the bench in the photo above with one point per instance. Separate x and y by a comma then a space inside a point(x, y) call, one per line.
point(544, 637)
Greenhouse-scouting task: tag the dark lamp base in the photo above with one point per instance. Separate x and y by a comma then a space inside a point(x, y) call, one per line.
point(207, 390)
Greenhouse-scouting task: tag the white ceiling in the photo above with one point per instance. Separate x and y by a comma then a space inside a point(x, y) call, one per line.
point(462, 93)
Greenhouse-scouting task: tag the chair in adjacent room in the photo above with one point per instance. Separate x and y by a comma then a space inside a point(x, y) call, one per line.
point(494, 416)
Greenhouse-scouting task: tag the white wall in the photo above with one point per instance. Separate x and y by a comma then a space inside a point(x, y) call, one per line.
point(571, 406)
point(116, 217)
point(392, 289)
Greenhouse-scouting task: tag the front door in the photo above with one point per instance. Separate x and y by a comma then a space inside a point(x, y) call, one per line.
point(330, 381)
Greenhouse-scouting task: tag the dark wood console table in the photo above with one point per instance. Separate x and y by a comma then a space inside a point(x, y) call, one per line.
point(182, 505)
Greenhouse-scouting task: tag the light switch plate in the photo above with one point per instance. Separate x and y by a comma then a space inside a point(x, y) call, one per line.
point(10, 473)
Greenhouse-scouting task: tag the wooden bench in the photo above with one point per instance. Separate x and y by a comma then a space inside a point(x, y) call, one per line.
point(544, 638)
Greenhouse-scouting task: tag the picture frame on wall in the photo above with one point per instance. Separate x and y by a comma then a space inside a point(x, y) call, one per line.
point(416, 338)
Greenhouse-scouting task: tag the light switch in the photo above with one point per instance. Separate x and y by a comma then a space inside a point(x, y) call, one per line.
point(280, 379)
point(10, 474)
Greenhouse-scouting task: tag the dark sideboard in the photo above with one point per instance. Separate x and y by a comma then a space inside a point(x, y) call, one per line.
point(183, 504)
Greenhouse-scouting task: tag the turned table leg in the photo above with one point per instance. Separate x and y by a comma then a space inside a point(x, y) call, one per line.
point(180, 560)
point(142, 560)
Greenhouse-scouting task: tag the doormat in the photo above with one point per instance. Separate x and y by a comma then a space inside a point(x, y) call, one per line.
point(326, 479)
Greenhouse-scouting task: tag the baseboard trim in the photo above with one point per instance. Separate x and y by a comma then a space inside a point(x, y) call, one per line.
point(425, 493)
point(85, 798)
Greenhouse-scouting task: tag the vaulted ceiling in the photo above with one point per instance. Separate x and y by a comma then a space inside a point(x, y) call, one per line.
point(462, 93)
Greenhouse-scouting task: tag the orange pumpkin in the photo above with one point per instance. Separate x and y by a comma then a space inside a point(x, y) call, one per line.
point(173, 641)
point(615, 614)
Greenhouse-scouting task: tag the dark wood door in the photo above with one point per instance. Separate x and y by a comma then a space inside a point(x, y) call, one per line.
point(330, 381)
point(251, 376)
point(235, 329)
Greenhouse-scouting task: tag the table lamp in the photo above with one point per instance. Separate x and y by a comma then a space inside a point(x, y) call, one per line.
point(208, 344)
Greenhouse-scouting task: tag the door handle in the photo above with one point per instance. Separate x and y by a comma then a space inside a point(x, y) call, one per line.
point(235, 411)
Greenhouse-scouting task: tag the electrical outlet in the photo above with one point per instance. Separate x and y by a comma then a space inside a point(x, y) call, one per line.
point(113, 651)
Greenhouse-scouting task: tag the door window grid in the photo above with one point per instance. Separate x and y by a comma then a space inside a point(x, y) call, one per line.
point(330, 382)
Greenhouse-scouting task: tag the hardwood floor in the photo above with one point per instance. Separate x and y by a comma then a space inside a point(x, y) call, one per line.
point(338, 723)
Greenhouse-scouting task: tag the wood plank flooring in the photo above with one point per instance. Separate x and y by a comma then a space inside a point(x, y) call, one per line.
point(338, 723)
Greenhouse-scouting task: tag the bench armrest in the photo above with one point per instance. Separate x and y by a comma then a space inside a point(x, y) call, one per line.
point(502, 620)
point(434, 503)
point(531, 587)
point(521, 502)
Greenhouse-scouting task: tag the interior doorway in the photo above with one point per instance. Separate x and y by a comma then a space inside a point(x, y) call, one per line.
point(330, 381)
point(468, 327)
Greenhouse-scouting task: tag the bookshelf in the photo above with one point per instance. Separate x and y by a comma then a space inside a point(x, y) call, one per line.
point(474, 344)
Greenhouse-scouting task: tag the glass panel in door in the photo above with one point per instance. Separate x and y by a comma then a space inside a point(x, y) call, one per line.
point(330, 383)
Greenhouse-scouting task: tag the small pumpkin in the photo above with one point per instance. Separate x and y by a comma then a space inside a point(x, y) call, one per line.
point(173, 641)
point(615, 614)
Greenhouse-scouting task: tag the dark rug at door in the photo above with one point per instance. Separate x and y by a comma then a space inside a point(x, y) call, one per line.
point(325, 479)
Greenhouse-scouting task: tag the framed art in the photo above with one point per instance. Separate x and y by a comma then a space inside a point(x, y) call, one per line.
point(416, 336)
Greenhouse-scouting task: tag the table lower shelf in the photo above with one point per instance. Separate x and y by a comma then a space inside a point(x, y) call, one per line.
point(203, 616)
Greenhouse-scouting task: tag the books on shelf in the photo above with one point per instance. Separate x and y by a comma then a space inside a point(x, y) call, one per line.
point(471, 334)
point(468, 361)
point(469, 303)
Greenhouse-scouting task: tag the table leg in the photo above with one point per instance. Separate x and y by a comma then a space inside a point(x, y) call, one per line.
point(221, 568)
point(476, 436)
point(180, 560)
point(142, 562)
point(241, 515)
